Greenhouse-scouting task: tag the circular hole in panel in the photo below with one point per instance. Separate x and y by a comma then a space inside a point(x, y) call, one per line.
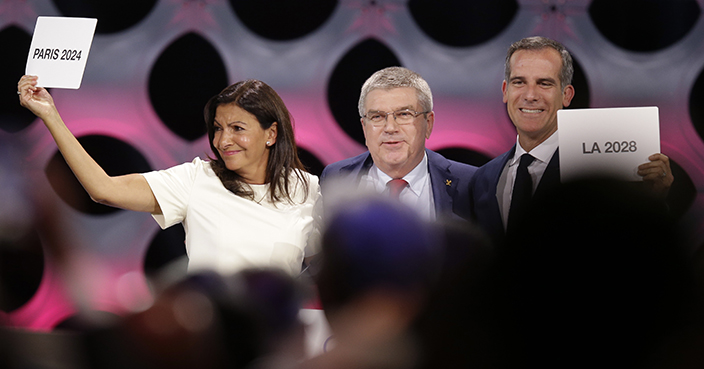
point(696, 105)
point(167, 246)
point(347, 79)
point(312, 164)
point(464, 155)
point(15, 43)
point(21, 268)
point(581, 87)
point(283, 20)
point(187, 74)
point(114, 156)
point(113, 16)
point(463, 23)
point(645, 25)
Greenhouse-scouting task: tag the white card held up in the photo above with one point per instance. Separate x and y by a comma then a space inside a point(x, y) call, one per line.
point(609, 142)
point(59, 50)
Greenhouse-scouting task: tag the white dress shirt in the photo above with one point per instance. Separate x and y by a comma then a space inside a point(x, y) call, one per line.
point(417, 195)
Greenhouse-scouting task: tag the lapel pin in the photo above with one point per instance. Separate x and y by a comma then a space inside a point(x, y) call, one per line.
point(448, 182)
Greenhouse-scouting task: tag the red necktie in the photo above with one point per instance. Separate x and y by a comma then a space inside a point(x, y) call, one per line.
point(395, 187)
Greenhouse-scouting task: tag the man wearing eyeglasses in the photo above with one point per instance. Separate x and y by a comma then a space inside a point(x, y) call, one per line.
point(396, 110)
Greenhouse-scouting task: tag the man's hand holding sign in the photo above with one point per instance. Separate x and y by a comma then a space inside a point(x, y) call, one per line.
point(614, 142)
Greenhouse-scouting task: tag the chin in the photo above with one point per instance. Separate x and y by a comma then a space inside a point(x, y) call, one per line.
point(231, 166)
point(395, 159)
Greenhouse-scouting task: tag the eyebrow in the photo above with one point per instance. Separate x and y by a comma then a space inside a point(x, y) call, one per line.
point(539, 80)
point(215, 121)
point(410, 107)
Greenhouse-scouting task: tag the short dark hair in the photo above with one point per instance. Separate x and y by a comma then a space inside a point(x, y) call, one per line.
point(260, 100)
point(539, 43)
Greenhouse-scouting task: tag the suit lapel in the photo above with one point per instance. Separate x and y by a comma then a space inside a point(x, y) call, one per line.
point(493, 209)
point(354, 171)
point(442, 182)
point(551, 177)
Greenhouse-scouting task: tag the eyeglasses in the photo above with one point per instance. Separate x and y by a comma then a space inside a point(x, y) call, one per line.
point(405, 116)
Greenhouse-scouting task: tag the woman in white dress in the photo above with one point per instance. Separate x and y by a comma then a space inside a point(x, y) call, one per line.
point(248, 206)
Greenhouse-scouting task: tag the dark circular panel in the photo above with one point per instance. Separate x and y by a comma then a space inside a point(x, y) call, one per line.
point(696, 105)
point(21, 269)
point(15, 43)
point(168, 245)
point(186, 75)
point(113, 16)
point(313, 164)
point(347, 79)
point(464, 155)
point(463, 23)
point(114, 156)
point(283, 20)
point(644, 25)
point(581, 87)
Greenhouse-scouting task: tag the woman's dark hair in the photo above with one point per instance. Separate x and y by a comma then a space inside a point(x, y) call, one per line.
point(260, 100)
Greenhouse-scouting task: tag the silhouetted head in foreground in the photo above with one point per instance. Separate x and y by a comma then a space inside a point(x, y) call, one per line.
point(596, 274)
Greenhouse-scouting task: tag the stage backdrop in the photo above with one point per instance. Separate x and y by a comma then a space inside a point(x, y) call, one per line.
point(154, 64)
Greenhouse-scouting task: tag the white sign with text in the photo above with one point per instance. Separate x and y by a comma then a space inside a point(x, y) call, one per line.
point(59, 50)
point(607, 142)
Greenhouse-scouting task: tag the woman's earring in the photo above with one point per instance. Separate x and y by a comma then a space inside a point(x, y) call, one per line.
point(268, 143)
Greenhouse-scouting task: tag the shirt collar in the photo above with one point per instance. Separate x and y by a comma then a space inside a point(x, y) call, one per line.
point(415, 178)
point(542, 152)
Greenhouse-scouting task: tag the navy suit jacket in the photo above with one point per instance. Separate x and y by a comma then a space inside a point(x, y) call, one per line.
point(484, 205)
point(449, 181)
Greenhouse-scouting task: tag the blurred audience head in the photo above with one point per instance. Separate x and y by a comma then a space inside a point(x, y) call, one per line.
point(379, 261)
point(597, 274)
point(372, 244)
point(211, 321)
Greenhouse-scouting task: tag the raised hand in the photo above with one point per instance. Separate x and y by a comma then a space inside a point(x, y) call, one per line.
point(657, 173)
point(36, 99)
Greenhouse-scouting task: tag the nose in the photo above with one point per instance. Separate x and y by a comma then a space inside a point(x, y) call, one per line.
point(532, 93)
point(390, 124)
point(223, 139)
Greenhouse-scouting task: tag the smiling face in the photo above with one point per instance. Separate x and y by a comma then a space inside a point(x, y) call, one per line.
point(533, 94)
point(396, 149)
point(242, 143)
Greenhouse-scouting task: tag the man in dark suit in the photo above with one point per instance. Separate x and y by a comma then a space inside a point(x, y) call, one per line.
point(538, 77)
point(396, 110)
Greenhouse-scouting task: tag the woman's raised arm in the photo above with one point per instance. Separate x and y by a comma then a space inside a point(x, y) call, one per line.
point(131, 191)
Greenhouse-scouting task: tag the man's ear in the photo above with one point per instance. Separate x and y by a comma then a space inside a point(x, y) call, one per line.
point(430, 121)
point(364, 130)
point(567, 95)
point(504, 86)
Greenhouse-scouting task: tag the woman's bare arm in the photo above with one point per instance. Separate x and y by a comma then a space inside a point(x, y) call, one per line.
point(131, 191)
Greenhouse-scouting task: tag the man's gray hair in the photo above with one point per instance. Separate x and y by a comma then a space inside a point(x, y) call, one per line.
point(539, 43)
point(393, 77)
